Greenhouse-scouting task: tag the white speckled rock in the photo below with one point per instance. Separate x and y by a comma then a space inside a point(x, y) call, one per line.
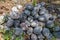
point(37, 30)
point(30, 31)
point(14, 15)
point(34, 24)
point(19, 6)
point(14, 9)
point(1, 26)
point(1, 19)
point(33, 37)
point(41, 24)
point(40, 36)
point(47, 16)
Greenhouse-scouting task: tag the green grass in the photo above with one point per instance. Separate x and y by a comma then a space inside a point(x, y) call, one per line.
point(34, 2)
point(53, 38)
point(9, 33)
